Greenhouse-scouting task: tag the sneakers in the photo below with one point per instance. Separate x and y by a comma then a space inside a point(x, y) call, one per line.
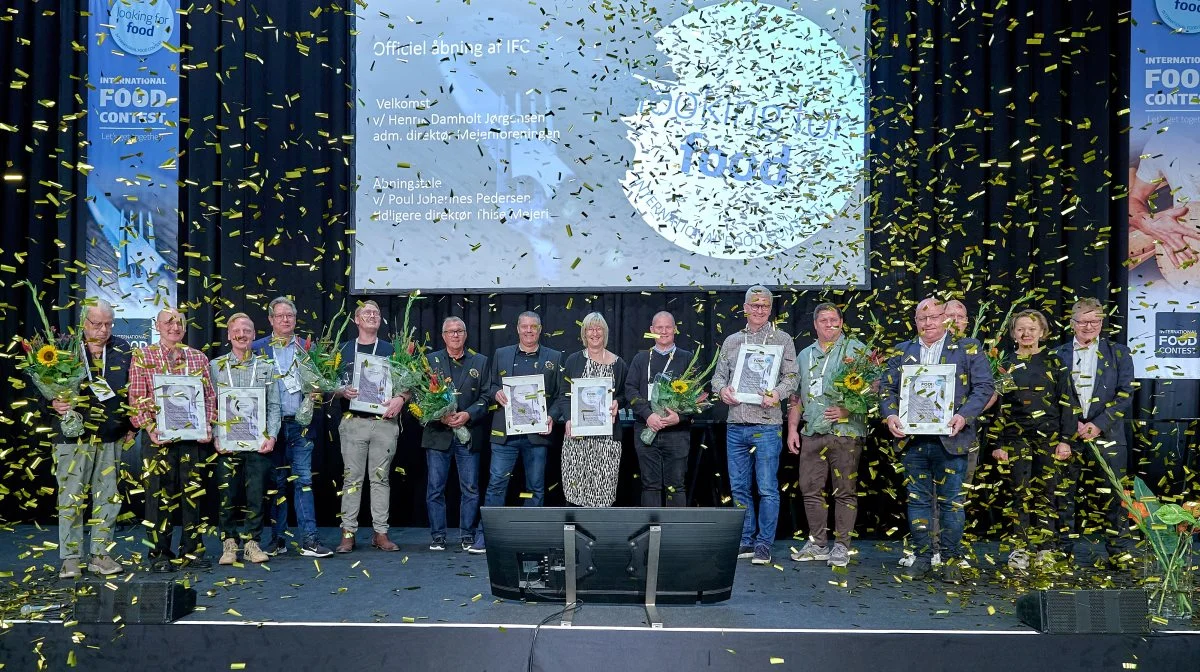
point(951, 572)
point(839, 556)
point(810, 552)
point(229, 551)
point(314, 549)
point(479, 546)
point(762, 555)
point(918, 569)
point(197, 560)
point(277, 546)
point(437, 545)
point(1018, 560)
point(936, 559)
point(104, 565)
point(909, 557)
point(70, 569)
point(466, 543)
point(254, 554)
point(745, 552)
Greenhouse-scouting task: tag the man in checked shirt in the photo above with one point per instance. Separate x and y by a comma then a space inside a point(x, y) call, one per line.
point(173, 466)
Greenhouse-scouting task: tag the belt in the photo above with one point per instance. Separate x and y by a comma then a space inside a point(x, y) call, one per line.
point(288, 418)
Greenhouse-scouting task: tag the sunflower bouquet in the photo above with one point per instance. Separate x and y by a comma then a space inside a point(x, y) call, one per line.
point(434, 398)
point(683, 394)
point(320, 367)
point(405, 360)
point(854, 387)
point(55, 366)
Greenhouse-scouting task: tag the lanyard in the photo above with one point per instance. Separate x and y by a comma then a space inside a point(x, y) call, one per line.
point(766, 331)
point(665, 368)
point(103, 361)
point(374, 347)
point(824, 364)
point(253, 371)
point(275, 356)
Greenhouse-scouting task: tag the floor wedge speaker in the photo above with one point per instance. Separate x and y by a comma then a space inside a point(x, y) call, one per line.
point(1085, 611)
point(123, 600)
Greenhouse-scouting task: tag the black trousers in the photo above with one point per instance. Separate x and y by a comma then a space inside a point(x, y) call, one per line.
point(1084, 475)
point(174, 483)
point(242, 479)
point(663, 466)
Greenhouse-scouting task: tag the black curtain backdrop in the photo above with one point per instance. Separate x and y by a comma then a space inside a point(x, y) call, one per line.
point(997, 165)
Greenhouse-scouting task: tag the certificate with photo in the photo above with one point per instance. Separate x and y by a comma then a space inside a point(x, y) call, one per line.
point(241, 418)
point(927, 398)
point(756, 371)
point(181, 413)
point(526, 410)
point(591, 399)
point(372, 378)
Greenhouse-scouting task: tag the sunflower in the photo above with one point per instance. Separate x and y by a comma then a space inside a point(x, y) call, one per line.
point(47, 355)
point(679, 386)
point(337, 361)
point(416, 411)
point(854, 382)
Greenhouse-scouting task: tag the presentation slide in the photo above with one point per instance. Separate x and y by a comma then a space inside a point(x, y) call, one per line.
point(657, 144)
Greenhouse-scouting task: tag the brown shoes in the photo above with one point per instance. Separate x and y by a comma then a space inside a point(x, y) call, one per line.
point(382, 542)
point(347, 543)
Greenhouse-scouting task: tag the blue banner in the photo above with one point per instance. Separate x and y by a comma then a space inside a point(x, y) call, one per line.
point(1164, 182)
point(133, 149)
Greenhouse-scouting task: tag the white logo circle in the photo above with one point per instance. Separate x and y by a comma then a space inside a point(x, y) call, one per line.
point(758, 143)
point(140, 27)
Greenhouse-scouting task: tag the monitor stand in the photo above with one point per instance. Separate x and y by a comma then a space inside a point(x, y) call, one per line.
point(652, 616)
point(569, 563)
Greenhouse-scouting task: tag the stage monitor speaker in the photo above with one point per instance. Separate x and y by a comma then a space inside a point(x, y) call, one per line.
point(134, 601)
point(1085, 611)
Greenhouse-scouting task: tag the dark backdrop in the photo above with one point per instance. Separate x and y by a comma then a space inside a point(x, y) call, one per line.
point(997, 166)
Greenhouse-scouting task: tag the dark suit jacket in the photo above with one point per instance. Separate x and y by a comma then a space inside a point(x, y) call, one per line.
point(637, 385)
point(107, 421)
point(972, 390)
point(1112, 396)
point(549, 361)
point(470, 377)
point(573, 368)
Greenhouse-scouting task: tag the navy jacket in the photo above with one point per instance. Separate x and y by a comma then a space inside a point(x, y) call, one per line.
point(1112, 396)
point(470, 377)
point(972, 390)
point(549, 361)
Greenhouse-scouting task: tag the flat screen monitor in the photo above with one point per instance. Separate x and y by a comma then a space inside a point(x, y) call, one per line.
point(698, 547)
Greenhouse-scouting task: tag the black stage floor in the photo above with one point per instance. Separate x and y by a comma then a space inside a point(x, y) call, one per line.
point(421, 609)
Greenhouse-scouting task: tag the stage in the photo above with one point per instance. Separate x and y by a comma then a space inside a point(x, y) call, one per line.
point(420, 609)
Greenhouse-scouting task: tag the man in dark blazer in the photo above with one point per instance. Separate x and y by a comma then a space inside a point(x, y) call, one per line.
point(935, 461)
point(527, 358)
point(1102, 382)
point(468, 372)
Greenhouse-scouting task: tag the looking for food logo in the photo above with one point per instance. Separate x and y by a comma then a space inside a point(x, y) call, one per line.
point(758, 143)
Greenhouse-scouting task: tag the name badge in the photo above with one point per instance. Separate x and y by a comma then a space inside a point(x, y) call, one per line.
point(291, 382)
point(650, 391)
point(816, 388)
point(101, 389)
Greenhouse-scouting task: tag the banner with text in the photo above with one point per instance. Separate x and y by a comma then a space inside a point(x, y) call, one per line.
point(133, 148)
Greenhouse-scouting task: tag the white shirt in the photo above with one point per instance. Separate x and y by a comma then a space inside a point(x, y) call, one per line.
point(1083, 373)
point(932, 354)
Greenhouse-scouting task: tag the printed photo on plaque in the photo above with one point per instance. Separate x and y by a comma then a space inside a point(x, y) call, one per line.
point(373, 380)
point(591, 399)
point(756, 371)
point(927, 398)
point(526, 410)
point(241, 418)
point(181, 413)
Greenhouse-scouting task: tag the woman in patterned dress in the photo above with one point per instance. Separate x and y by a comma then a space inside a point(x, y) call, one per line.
point(590, 464)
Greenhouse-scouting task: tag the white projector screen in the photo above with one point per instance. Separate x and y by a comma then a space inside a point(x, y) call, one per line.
point(656, 144)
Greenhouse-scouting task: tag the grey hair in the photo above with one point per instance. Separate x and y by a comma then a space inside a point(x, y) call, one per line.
point(530, 314)
point(278, 300)
point(759, 290)
point(93, 302)
point(453, 318)
point(591, 320)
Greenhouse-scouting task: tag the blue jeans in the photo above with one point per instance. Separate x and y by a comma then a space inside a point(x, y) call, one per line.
point(926, 465)
point(753, 453)
point(504, 458)
point(438, 463)
point(293, 457)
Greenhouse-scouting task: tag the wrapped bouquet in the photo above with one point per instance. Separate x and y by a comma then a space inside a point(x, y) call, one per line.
point(683, 394)
point(55, 365)
point(320, 367)
point(854, 384)
point(406, 355)
point(434, 399)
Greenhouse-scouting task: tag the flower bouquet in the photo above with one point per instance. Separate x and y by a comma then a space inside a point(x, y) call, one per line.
point(683, 394)
point(995, 356)
point(55, 366)
point(405, 359)
point(1168, 528)
point(854, 384)
point(320, 367)
point(434, 398)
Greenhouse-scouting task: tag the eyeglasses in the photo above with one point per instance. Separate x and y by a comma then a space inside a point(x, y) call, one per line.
point(1088, 323)
point(284, 316)
point(98, 325)
point(926, 319)
point(759, 307)
point(454, 332)
point(368, 313)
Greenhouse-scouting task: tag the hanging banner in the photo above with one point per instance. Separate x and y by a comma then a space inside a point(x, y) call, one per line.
point(133, 148)
point(1164, 189)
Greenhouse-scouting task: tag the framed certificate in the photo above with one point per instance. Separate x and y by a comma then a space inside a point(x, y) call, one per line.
point(241, 418)
point(927, 398)
point(590, 400)
point(526, 410)
point(181, 413)
point(756, 371)
point(372, 378)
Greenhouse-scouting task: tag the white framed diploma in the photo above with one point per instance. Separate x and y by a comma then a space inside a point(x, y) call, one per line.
point(591, 399)
point(756, 371)
point(526, 411)
point(241, 418)
point(372, 377)
point(181, 412)
point(927, 398)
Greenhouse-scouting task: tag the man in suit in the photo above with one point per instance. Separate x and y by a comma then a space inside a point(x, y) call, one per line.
point(292, 456)
point(937, 460)
point(1102, 378)
point(527, 358)
point(469, 374)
